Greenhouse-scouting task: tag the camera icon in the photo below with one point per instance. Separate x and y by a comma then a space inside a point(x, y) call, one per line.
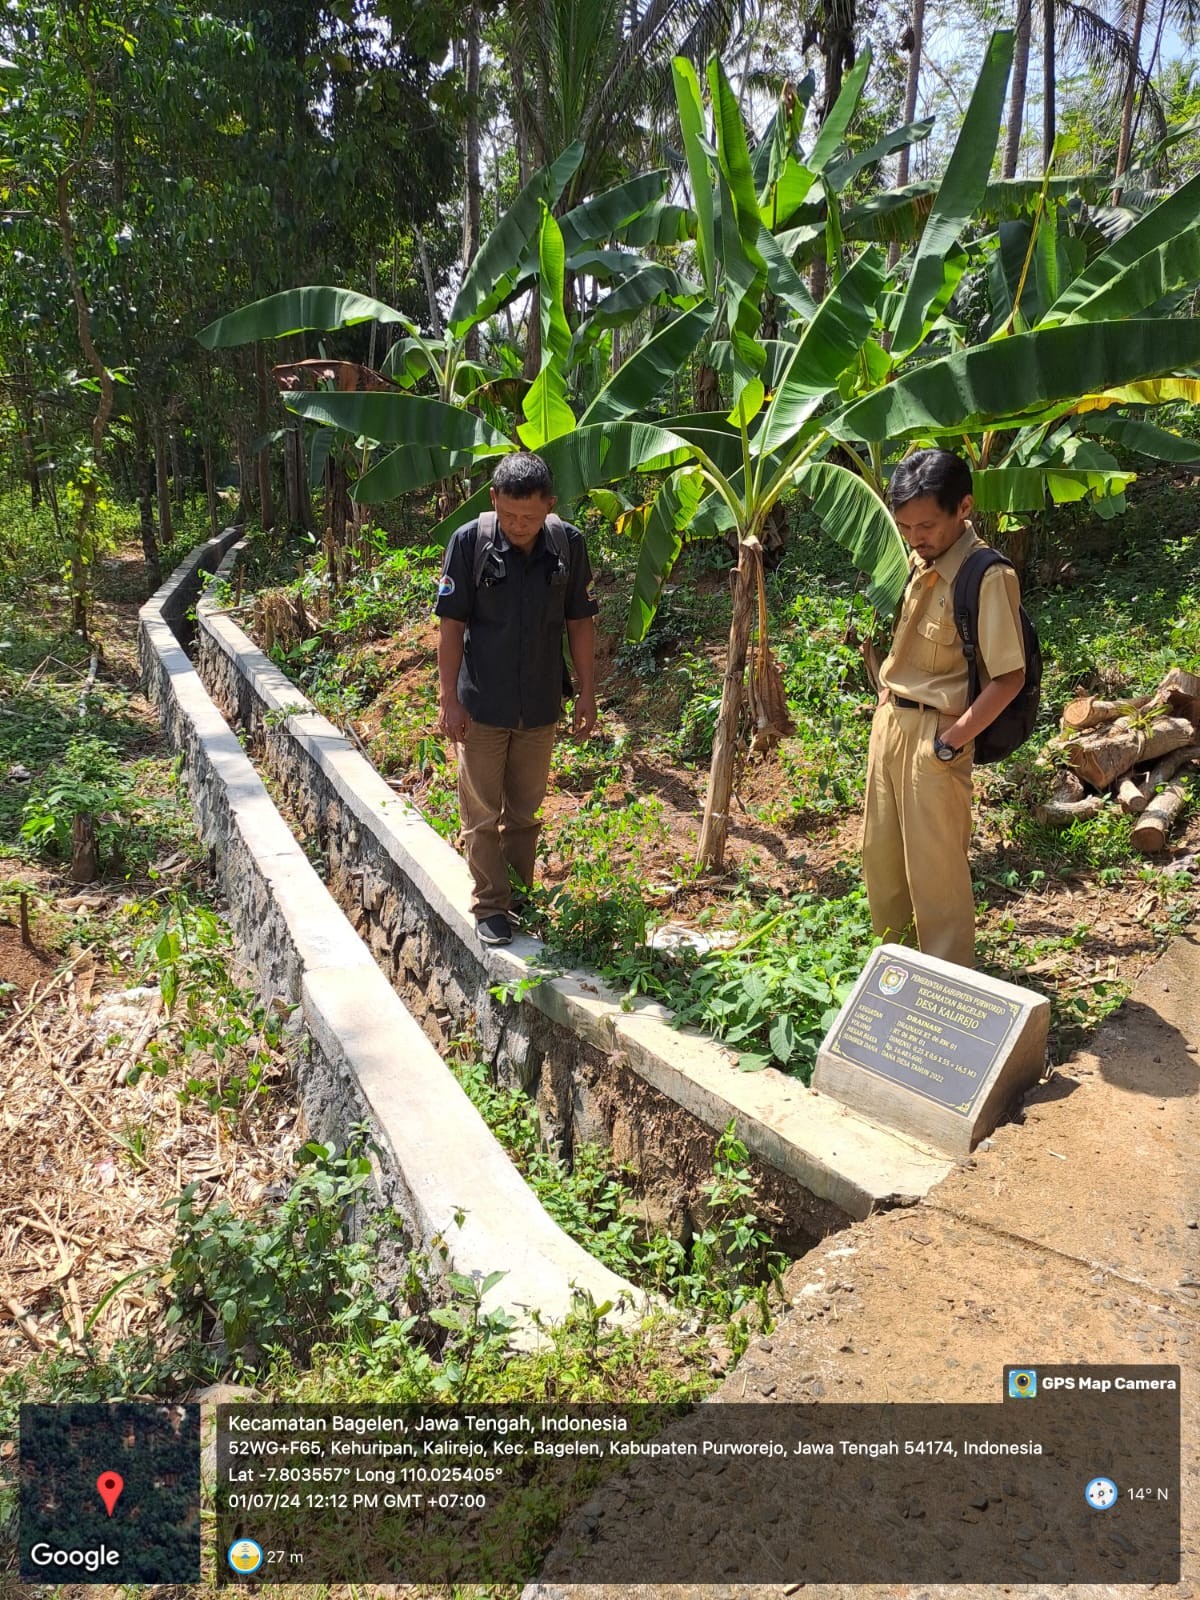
point(1022, 1383)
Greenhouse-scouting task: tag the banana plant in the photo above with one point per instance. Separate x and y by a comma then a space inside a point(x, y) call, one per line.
point(848, 376)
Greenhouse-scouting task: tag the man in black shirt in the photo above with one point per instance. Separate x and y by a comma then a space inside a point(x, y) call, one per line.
point(508, 588)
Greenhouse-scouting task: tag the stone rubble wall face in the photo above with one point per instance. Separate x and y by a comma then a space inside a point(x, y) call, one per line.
point(585, 1089)
point(364, 1059)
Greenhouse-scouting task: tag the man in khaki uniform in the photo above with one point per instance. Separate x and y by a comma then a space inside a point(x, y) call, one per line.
point(917, 814)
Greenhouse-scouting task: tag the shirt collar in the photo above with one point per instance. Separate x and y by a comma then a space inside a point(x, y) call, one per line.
point(947, 564)
point(501, 542)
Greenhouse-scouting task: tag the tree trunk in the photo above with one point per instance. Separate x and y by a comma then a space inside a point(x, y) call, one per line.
point(210, 489)
point(162, 480)
point(177, 475)
point(144, 471)
point(83, 849)
point(1102, 758)
point(266, 502)
point(715, 827)
point(1155, 823)
point(1016, 102)
point(1127, 98)
point(471, 207)
point(1049, 83)
point(911, 90)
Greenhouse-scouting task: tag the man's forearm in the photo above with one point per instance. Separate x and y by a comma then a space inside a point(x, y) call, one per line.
point(451, 635)
point(581, 639)
point(984, 710)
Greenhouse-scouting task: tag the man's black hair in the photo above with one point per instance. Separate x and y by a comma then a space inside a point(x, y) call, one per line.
point(523, 475)
point(941, 473)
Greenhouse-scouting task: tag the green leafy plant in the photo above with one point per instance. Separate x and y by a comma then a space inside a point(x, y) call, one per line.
point(284, 1276)
point(773, 994)
point(88, 781)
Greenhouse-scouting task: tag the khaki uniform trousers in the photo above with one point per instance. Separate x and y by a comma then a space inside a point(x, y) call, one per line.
point(916, 833)
point(502, 778)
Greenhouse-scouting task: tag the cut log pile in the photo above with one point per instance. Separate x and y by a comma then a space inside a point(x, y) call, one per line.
point(1131, 751)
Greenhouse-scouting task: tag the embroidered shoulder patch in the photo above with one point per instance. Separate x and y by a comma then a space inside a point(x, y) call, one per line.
point(446, 586)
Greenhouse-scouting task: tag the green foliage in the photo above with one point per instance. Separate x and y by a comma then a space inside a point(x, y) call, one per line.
point(725, 1267)
point(228, 1041)
point(286, 1276)
point(773, 995)
point(88, 781)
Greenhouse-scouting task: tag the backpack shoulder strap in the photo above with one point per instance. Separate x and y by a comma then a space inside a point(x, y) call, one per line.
point(966, 607)
point(484, 540)
point(557, 538)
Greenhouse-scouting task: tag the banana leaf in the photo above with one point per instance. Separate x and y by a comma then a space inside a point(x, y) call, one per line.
point(661, 223)
point(662, 539)
point(833, 130)
point(1003, 381)
point(830, 342)
point(784, 282)
point(1176, 215)
point(959, 194)
point(651, 367)
point(1017, 489)
point(318, 455)
point(652, 284)
point(691, 122)
point(396, 419)
point(1131, 433)
point(415, 466)
point(316, 307)
point(547, 413)
point(410, 359)
point(839, 173)
point(608, 266)
point(895, 217)
point(775, 148)
point(590, 457)
point(1168, 268)
point(744, 269)
point(853, 515)
point(604, 215)
point(493, 275)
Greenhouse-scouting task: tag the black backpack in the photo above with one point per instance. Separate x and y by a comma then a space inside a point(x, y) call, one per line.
point(1015, 723)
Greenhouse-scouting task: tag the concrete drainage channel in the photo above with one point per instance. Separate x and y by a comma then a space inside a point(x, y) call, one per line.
point(657, 1095)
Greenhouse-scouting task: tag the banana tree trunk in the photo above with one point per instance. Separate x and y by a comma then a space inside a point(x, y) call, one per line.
point(714, 830)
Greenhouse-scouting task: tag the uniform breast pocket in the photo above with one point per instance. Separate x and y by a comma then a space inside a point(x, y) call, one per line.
point(936, 645)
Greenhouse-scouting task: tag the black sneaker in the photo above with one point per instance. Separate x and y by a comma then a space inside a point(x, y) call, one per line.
point(496, 929)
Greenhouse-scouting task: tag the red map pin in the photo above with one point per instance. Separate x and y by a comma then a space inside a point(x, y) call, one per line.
point(110, 1485)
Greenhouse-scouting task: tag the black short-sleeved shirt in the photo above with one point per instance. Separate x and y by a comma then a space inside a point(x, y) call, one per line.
point(512, 669)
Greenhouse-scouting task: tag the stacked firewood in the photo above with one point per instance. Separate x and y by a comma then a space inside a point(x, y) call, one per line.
point(1130, 751)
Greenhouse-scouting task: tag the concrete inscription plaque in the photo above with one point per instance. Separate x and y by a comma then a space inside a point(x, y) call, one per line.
point(933, 1049)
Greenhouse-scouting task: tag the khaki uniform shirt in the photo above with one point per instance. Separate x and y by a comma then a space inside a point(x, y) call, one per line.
point(926, 662)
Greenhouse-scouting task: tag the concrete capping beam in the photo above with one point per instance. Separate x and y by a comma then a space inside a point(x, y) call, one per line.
point(461, 1199)
point(811, 1138)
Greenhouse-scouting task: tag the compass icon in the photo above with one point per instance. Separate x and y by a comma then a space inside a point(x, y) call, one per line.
point(1101, 1494)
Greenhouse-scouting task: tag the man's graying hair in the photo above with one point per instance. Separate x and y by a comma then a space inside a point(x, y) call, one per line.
point(942, 474)
point(523, 475)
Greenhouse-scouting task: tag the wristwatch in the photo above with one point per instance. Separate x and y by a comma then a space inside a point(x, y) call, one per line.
point(942, 750)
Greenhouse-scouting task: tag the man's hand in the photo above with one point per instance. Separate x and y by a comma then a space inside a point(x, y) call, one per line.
point(453, 720)
point(583, 719)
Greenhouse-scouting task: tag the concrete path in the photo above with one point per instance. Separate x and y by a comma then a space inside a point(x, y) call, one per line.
point(1071, 1238)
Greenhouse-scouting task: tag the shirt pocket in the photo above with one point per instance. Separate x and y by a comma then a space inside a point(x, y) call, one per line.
point(936, 647)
